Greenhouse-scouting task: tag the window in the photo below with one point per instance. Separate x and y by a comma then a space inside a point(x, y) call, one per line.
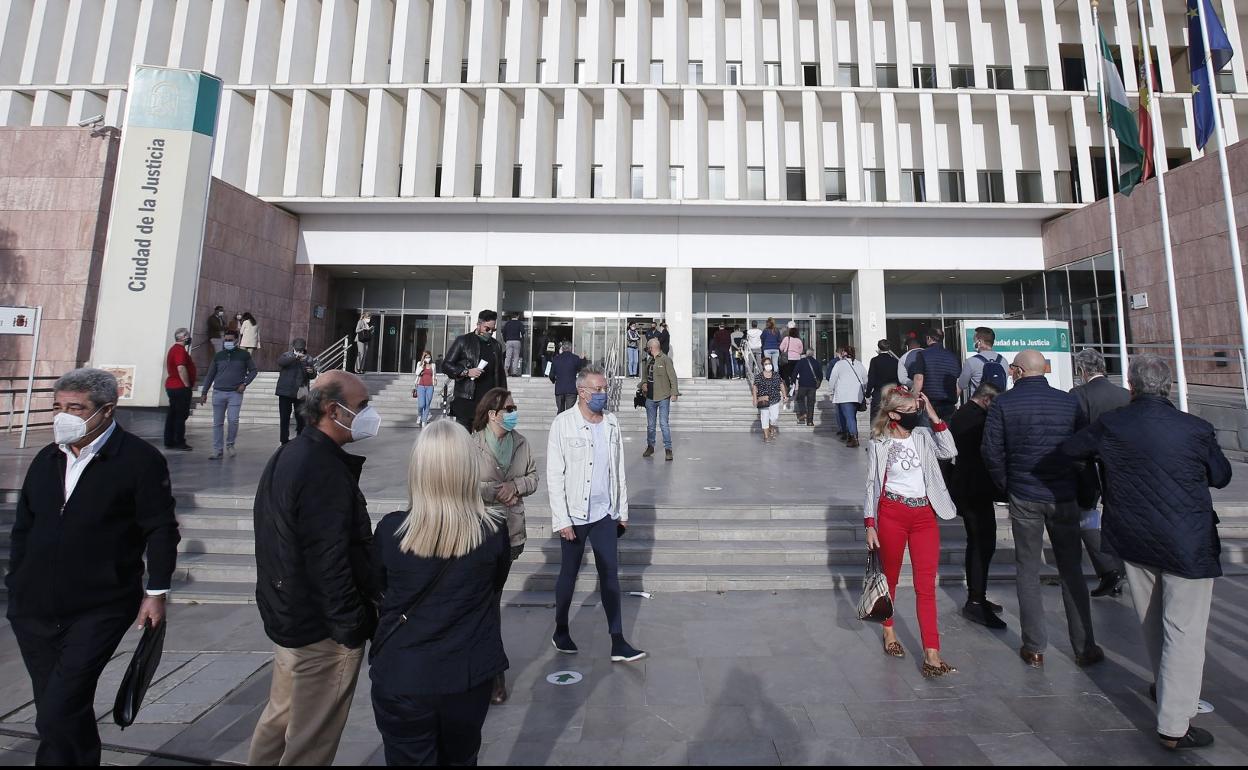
point(1225, 82)
point(962, 76)
point(502, 70)
point(923, 75)
point(991, 187)
point(540, 76)
point(463, 70)
point(886, 75)
point(578, 69)
point(1074, 74)
point(695, 73)
point(617, 71)
point(476, 181)
point(676, 182)
point(516, 172)
point(556, 184)
point(636, 181)
point(656, 70)
point(847, 75)
point(795, 184)
point(834, 184)
point(913, 186)
point(596, 181)
point(732, 72)
point(755, 186)
point(1001, 78)
point(810, 74)
point(1065, 186)
point(1030, 188)
point(877, 190)
point(952, 187)
point(715, 183)
point(1037, 78)
point(771, 73)
point(437, 181)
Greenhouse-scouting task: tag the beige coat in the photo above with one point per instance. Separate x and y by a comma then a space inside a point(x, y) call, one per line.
point(522, 471)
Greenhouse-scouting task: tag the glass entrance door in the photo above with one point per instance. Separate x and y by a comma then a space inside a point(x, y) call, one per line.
point(548, 333)
point(595, 336)
point(388, 360)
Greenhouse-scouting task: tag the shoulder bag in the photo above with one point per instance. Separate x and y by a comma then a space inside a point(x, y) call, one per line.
point(862, 405)
point(420, 597)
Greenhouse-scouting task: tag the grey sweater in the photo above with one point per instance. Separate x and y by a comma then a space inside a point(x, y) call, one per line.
point(229, 369)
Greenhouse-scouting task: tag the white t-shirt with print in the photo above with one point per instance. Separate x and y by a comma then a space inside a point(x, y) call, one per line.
point(905, 469)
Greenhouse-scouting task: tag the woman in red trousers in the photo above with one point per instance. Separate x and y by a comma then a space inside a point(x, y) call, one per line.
point(906, 495)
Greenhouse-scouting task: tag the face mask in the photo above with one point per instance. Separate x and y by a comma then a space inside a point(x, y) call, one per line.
point(767, 369)
point(597, 403)
point(909, 421)
point(70, 429)
point(366, 424)
point(509, 421)
point(228, 345)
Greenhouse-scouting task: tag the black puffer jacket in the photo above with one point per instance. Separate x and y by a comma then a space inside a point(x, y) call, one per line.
point(314, 577)
point(1026, 427)
point(1159, 464)
point(465, 353)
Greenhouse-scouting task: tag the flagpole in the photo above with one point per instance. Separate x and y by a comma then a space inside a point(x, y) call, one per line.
point(1113, 206)
point(1232, 229)
point(1180, 371)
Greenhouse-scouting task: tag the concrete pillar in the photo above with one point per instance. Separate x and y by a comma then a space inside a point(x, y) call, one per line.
point(1052, 42)
point(373, 34)
point(382, 144)
point(773, 147)
point(233, 140)
point(420, 141)
point(636, 54)
point(812, 145)
point(931, 158)
point(676, 41)
point(296, 59)
point(487, 290)
point(617, 126)
point(600, 43)
point(656, 146)
point(866, 59)
point(1081, 137)
point(868, 291)
point(537, 135)
point(966, 130)
point(459, 143)
point(678, 298)
point(825, 30)
point(562, 20)
point(1011, 157)
point(1046, 141)
point(713, 58)
point(752, 42)
point(790, 59)
point(852, 139)
point(485, 30)
point(408, 48)
point(445, 44)
point(576, 144)
point(734, 146)
point(892, 159)
point(498, 154)
point(305, 151)
point(336, 42)
point(522, 42)
point(694, 152)
point(940, 45)
point(901, 39)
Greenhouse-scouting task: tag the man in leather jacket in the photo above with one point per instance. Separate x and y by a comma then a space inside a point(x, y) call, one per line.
point(463, 364)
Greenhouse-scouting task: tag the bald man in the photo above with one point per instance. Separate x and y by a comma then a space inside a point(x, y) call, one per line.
point(1022, 438)
point(314, 583)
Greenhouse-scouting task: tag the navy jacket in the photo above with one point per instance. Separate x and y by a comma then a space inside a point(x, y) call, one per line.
point(1159, 464)
point(940, 369)
point(808, 372)
point(513, 330)
point(563, 369)
point(1022, 442)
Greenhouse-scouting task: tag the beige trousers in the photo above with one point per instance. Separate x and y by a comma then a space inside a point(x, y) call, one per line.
point(308, 705)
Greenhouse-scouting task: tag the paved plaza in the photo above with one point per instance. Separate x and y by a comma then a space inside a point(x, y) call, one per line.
point(739, 677)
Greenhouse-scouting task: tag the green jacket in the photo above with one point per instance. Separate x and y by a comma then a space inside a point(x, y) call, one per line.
point(665, 384)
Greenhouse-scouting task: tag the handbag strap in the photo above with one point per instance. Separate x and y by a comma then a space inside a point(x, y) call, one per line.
point(420, 597)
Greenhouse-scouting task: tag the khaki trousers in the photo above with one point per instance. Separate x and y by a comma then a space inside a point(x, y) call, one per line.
point(308, 705)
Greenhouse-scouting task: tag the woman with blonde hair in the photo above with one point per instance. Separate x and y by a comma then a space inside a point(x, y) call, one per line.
point(905, 495)
point(440, 566)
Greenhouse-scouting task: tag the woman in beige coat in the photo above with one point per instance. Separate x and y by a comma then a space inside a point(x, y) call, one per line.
point(508, 475)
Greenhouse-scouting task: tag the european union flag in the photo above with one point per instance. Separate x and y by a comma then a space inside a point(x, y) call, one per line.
point(1202, 94)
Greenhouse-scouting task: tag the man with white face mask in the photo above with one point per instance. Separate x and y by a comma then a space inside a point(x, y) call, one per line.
point(229, 374)
point(314, 580)
point(93, 504)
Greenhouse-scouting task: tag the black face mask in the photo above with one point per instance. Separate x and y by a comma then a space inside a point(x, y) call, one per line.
point(908, 420)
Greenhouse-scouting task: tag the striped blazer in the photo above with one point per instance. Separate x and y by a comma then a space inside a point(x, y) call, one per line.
point(933, 445)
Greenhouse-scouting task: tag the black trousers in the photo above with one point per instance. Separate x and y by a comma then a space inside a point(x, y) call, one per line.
point(429, 730)
point(602, 537)
point(464, 410)
point(723, 363)
point(175, 418)
point(980, 519)
point(285, 405)
point(564, 402)
point(65, 657)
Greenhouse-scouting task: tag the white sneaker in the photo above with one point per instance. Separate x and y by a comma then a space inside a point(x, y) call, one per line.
point(229, 451)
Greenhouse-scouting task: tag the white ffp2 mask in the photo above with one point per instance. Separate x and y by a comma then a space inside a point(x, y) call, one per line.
point(366, 424)
point(70, 429)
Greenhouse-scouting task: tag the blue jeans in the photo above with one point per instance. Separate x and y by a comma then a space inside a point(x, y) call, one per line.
point(659, 408)
point(774, 355)
point(847, 418)
point(424, 397)
point(633, 355)
point(226, 405)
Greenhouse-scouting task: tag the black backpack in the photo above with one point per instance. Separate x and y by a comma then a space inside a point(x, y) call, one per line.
point(994, 372)
point(364, 335)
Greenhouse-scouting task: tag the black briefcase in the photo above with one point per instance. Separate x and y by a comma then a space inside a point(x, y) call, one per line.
point(139, 674)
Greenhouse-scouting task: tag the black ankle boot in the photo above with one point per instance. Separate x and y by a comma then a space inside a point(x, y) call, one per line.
point(1111, 585)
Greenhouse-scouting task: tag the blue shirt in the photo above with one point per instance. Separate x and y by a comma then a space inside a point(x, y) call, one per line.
point(771, 340)
point(600, 476)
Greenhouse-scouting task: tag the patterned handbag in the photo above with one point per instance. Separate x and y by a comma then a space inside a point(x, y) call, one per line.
point(875, 605)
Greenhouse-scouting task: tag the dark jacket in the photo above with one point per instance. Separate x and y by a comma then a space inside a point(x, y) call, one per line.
point(451, 641)
point(881, 373)
point(513, 330)
point(465, 353)
point(67, 557)
point(721, 340)
point(563, 369)
point(971, 481)
point(229, 369)
point(313, 545)
point(295, 373)
point(940, 369)
point(665, 341)
point(1026, 427)
point(1095, 399)
point(808, 372)
point(1159, 464)
point(216, 328)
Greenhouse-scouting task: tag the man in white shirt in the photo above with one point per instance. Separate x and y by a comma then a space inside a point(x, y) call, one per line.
point(913, 345)
point(754, 339)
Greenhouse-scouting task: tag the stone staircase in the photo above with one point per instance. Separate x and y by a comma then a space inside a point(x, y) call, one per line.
point(705, 405)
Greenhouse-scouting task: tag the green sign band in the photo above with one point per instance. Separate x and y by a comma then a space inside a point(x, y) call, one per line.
point(173, 99)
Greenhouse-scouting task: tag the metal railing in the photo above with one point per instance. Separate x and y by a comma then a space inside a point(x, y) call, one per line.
point(615, 380)
point(17, 405)
point(1222, 356)
point(334, 356)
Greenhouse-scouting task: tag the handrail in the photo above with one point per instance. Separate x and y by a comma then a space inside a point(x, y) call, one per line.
point(334, 356)
point(615, 381)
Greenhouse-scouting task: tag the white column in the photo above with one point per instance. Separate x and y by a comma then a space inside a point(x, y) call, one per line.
point(825, 31)
point(225, 39)
point(773, 146)
point(1082, 138)
point(1017, 37)
point(269, 128)
point(979, 53)
point(459, 143)
point(931, 160)
point(370, 64)
point(14, 27)
point(752, 42)
point(790, 56)
point(851, 140)
point(1091, 46)
point(812, 145)
point(866, 57)
point(1232, 17)
point(869, 309)
point(82, 34)
point(892, 161)
point(734, 146)
point(383, 144)
point(713, 57)
point(536, 144)
point(656, 149)
point(420, 144)
point(296, 58)
point(498, 152)
point(617, 122)
point(51, 109)
point(637, 38)
point(487, 287)
point(112, 54)
point(940, 45)
point(678, 313)
point(43, 41)
point(114, 112)
point(1159, 38)
point(694, 137)
point(233, 140)
point(263, 26)
point(901, 37)
point(189, 43)
point(305, 150)
point(446, 40)
point(1046, 139)
point(675, 41)
point(344, 145)
point(1052, 42)
point(1230, 123)
point(1189, 130)
point(334, 42)
point(600, 47)
point(1126, 45)
point(151, 37)
point(577, 144)
point(970, 162)
point(485, 30)
point(522, 41)
point(16, 108)
point(409, 49)
point(562, 21)
point(1010, 157)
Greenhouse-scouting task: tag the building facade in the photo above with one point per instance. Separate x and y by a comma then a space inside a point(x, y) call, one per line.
point(861, 167)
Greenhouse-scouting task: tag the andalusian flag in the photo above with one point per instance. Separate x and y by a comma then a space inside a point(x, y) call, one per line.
point(1122, 121)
